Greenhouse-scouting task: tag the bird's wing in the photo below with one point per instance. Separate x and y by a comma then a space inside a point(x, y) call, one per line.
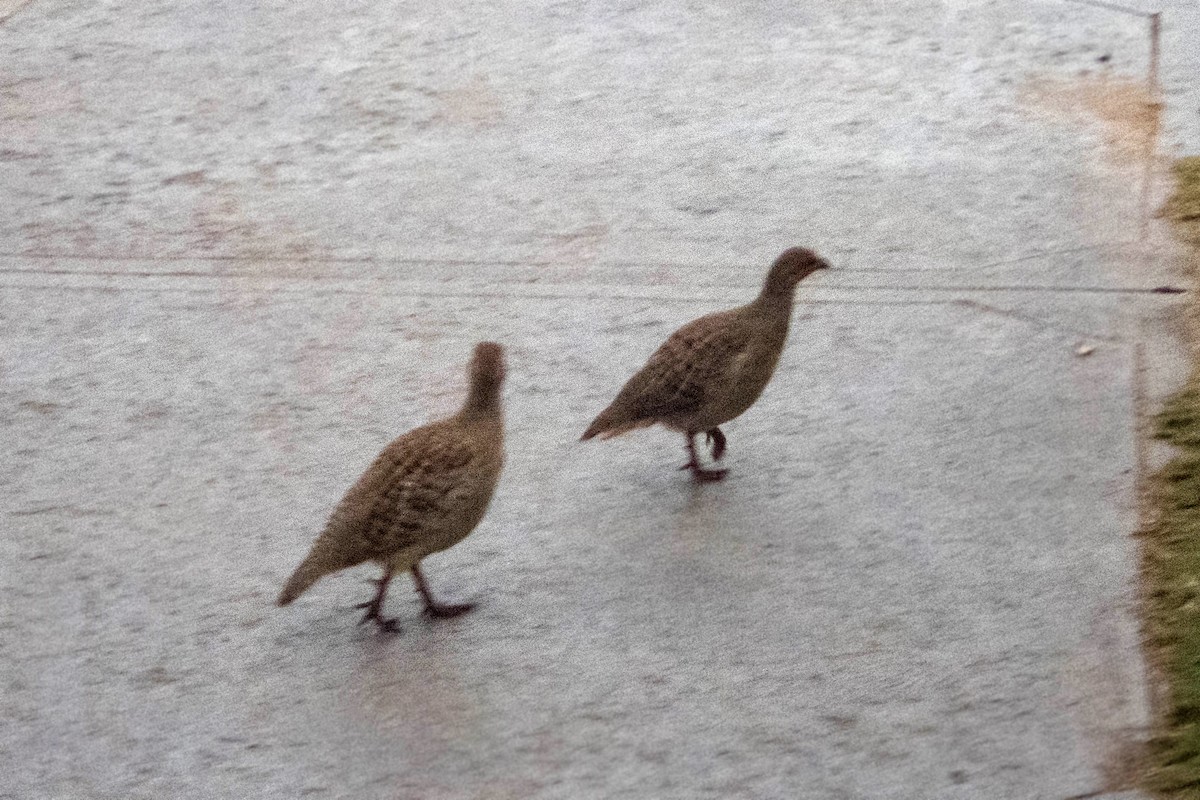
point(411, 487)
point(682, 372)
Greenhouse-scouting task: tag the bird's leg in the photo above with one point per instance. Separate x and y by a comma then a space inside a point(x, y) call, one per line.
point(698, 472)
point(374, 606)
point(432, 607)
point(693, 463)
point(717, 440)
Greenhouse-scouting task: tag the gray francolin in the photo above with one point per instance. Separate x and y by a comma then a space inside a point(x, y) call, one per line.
point(425, 492)
point(712, 369)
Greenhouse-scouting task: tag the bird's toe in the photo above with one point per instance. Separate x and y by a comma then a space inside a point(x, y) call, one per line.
point(447, 611)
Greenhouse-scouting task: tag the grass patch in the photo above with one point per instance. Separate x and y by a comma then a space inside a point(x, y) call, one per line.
point(1183, 207)
point(1173, 588)
point(1172, 551)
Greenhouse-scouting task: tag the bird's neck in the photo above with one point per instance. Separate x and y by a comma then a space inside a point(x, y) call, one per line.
point(776, 302)
point(483, 400)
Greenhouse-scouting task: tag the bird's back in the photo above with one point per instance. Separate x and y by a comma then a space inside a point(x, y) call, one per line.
point(431, 479)
point(424, 492)
point(681, 376)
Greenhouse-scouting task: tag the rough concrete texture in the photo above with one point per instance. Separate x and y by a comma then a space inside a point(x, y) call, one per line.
point(244, 245)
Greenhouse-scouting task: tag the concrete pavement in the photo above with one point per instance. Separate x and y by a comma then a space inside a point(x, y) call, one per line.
point(246, 246)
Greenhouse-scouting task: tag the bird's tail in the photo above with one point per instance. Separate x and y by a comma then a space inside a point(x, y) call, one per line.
point(612, 423)
point(599, 424)
point(305, 576)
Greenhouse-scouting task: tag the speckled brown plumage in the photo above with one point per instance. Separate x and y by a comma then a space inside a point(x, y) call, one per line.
point(712, 369)
point(425, 492)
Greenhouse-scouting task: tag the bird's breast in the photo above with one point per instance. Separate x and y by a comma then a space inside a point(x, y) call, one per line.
point(750, 373)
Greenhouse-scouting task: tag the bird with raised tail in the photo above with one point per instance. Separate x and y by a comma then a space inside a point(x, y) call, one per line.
point(712, 369)
point(424, 493)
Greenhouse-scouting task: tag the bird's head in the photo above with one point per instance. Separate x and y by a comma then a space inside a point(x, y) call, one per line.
point(487, 364)
point(793, 265)
point(487, 376)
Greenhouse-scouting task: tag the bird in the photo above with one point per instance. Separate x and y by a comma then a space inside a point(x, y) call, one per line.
point(712, 369)
point(425, 492)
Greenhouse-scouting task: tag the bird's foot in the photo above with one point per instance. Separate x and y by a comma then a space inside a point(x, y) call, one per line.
point(716, 440)
point(702, 475)
point(447, 611)
point(709, 475)
point(386, 624)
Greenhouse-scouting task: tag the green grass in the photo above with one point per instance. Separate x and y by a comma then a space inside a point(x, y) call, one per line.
point(1183, 207)
point(1172, 551)
point(1173, 587)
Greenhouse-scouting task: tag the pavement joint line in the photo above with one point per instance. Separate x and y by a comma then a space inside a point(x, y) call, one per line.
point(477, 295)
point(674, 297)
point(1040, 322)
point(671, 298)
point(507, 286)
point(427, 262)
point(1142, 432)
point(669, 294)
point(270, 284)
point(523, 262)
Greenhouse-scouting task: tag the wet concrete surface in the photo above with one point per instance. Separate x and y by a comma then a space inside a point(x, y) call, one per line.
point(245, 247)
